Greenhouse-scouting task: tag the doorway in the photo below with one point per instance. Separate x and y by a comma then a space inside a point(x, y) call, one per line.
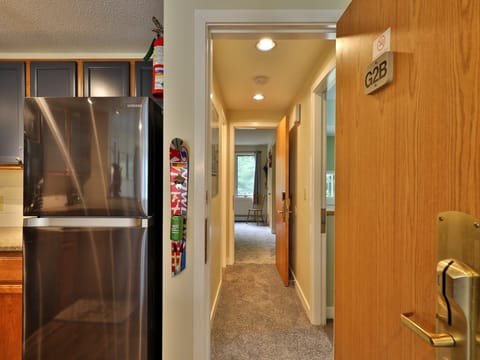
point(300, 139)
point(247, 137)
point(325, 106)
point(254, 240)
point(206, 24)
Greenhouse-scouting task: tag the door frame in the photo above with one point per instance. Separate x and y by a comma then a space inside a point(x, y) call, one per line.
point(206, 21)
point(319, 244)
point(230, 215)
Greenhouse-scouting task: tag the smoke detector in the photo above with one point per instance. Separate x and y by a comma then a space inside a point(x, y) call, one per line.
point(261, 79)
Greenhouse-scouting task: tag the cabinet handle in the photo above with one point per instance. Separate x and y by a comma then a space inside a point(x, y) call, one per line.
point(434, 339)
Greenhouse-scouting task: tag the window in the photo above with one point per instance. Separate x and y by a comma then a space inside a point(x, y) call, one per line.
point(245, 174)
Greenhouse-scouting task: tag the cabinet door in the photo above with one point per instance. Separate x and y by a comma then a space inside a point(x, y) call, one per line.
point(106, 79)
point(143, 78)
point(12, 94)
point(11, 322)
point(50, 78)
point(11, 307)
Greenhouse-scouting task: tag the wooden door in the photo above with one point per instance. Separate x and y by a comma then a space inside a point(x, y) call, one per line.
point(282, 201)
point(403, 154)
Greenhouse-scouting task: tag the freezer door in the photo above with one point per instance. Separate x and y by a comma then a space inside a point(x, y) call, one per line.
point(90, 156)
point(86, 293)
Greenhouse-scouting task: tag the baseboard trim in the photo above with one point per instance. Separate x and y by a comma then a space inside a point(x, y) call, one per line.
point(213, 310)
point(330, 312)
point(301, 296)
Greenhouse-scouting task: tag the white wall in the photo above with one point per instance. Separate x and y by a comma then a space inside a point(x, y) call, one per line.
point(218, 205)
point(11, 198)
point(242, 205)
point(185, 325)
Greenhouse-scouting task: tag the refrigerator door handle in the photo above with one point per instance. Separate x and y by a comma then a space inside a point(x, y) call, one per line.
point(92, 222)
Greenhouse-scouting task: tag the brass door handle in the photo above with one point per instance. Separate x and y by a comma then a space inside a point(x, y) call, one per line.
point(434, 339)
point(285, 208)
point(285, 211)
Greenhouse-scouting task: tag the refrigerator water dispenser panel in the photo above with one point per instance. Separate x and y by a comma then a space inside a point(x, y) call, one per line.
point(457, 321)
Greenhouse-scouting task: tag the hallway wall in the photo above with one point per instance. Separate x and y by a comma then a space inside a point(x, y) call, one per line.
point(301, 243)
point(218, 207)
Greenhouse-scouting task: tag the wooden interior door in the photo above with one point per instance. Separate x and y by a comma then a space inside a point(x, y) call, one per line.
point(282, 201)
point(403, 155)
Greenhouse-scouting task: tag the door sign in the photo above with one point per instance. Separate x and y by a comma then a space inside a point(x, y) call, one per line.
point(381, 44)
point(378, 73)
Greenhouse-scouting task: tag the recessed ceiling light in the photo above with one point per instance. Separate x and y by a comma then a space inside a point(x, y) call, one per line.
point(258, 97)
point(265, 44)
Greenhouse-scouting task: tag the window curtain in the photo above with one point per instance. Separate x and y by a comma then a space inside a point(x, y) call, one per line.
point(257, 191)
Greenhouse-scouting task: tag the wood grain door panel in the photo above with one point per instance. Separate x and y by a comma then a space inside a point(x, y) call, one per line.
point(281, 196)
point(403, 155)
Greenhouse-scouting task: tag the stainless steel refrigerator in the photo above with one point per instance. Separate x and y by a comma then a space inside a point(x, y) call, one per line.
point(92, 228)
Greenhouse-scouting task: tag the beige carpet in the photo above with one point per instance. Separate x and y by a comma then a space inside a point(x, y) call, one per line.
point(254, 244)
point(259, 318)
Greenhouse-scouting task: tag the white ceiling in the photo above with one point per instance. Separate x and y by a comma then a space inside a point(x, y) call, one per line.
point(123, 28)
point(116, 27)
point(288, 67)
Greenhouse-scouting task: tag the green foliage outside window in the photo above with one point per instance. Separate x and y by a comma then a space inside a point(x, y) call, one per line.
point(245, 174)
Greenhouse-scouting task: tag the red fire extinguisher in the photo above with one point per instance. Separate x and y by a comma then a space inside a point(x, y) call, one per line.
point(157, 76)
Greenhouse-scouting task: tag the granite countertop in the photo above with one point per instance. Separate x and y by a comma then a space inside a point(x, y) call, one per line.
point(11, 239)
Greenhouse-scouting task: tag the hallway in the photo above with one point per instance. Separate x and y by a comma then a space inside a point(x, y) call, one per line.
point(257, 317)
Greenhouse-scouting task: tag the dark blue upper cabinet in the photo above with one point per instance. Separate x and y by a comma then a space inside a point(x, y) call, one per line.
point(143, 78)
point(106, 78)
point(12, 95)
point(52, 78)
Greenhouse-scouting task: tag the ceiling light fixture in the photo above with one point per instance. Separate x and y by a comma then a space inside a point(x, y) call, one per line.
point(261, 79)
point(265, 44)
point(258, 97)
